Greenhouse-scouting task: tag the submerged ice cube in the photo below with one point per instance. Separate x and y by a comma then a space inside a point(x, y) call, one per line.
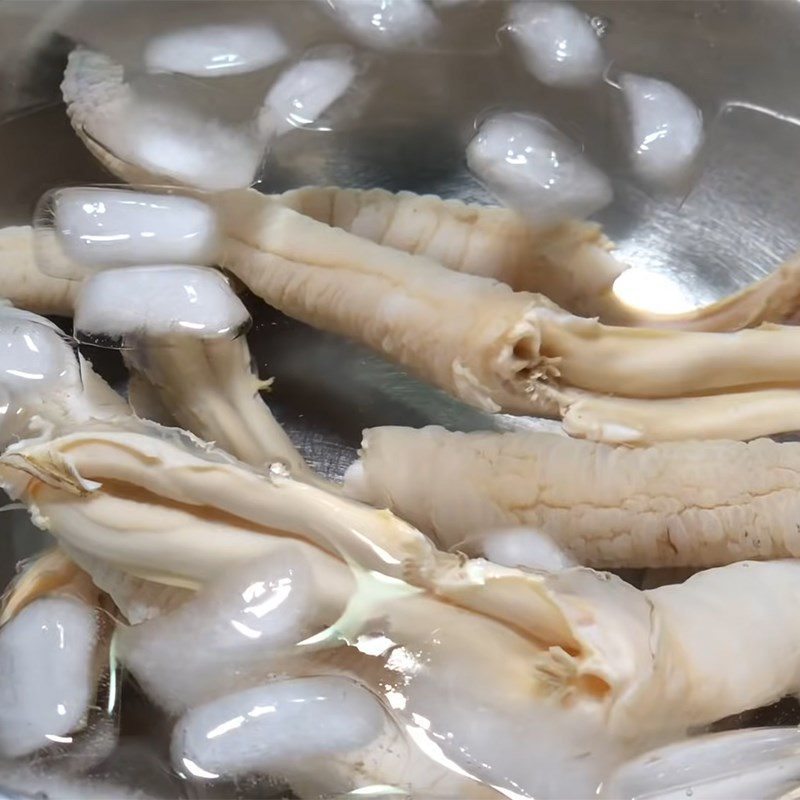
point(666, 130)
point(246, 618)
point(532, 167)
point(737, 765)
point(96, 228)
point(46, 660)
point(305, 90)
point(210, 51)
point(276, 727)
point(557, 42)
point(157, 301)
point(385, 24)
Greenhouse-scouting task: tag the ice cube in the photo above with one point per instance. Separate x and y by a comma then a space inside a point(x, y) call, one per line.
point(102, 228)
point(557, 42)
point(304, 91)
point(666, 130)
point(156, 301)
point(736, 765)
point(275, 727)
point(209, 51)
point(46, 660)
point(34, 355)
point(532, 167)
point(385, 24)
point(244, 619)
point(520, 547)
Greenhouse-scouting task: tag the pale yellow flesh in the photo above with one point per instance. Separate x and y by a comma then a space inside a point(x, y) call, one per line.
point(572, 263)
point(695, 504)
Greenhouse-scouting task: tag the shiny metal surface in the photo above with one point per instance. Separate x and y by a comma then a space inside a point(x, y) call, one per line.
point(736, 222)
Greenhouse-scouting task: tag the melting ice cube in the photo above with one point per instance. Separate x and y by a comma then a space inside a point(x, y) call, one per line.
point(46, 655)
point(305, 90)
point(532, 167)
point(210, 51)
point(387, 24)
point(557, 42)
point(666, 129)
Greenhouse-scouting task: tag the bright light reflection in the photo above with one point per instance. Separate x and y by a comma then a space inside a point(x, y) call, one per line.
point(197, 770)
point(652, 291)
point(229, 725)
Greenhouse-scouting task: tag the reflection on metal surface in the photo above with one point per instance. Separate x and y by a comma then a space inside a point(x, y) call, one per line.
point(652, 291)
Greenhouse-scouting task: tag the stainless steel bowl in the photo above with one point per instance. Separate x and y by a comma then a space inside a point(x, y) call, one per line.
point(738, 220)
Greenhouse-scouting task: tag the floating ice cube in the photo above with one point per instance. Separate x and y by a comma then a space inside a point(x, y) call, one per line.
point(275, 727)
point(305, 90)
point(532, 167)
point(666, 129)
point(521, 547)
point(157, 301)
point(243, 620)
point(46, 660)
point(97, 228)
point(385, 24)
point(209, 51)
point(557, 42)
point(737, 765)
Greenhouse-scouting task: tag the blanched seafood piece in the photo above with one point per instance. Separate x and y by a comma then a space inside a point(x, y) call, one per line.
point(572, 264)
point(673, 504)
point(24, 284)
point(500, 350)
